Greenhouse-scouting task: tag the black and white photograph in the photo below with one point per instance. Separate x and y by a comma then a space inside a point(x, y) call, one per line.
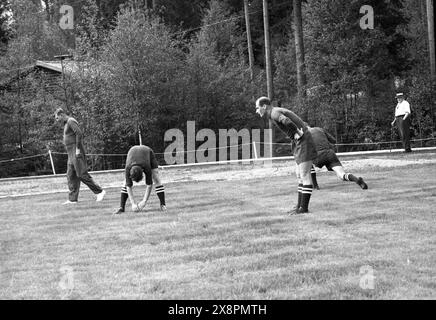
point(235, 152)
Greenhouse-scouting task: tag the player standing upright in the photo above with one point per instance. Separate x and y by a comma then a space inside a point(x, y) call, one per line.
point(402, 118)
point(304, 152)
point(77, 170)
point(141, 159)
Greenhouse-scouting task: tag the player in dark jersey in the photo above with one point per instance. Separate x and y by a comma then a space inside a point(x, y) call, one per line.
point(141, 160)
point(304, 152)
point(328, 158)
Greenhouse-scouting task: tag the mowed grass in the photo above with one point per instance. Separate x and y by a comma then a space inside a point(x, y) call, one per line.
point(228, 240)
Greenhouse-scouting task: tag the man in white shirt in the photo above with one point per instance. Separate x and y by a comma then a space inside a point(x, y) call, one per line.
point(402, 118)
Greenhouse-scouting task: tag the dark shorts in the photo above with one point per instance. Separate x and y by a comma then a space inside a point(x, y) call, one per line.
point(305, 149)
point(327, 158)
point(153, 161)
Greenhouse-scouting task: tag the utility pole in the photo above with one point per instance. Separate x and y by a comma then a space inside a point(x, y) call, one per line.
point(250, 45)
point(62, 58)
point(20, 136)
point(431, 43)
point(269, 79)
point(431, 39)
point(299, 53)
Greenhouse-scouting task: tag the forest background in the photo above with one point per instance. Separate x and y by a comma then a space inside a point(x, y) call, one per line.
point(150, 66)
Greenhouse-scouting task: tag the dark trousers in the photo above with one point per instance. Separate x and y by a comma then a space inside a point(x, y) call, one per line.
point(404, 128)
point(77, 172)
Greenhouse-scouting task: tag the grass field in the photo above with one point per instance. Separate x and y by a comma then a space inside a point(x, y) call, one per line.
point(229, 240)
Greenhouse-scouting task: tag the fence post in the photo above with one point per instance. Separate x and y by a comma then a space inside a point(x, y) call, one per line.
point(51, 160)
point(254, 149)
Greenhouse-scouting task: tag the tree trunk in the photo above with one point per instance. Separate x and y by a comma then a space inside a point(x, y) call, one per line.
point(431, 39)
point(268, 63)
point(269, 78)
point(431, 43)
point(299, 53)
point(250, 46)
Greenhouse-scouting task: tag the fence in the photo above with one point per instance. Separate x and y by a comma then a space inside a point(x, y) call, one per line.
point(44, 164)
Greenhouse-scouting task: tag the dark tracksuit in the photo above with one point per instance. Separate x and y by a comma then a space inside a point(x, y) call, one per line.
point(77, 170)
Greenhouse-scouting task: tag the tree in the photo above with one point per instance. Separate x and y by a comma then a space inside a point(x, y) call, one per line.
point(5, 29)
point(299, 53)
point(356, 67)
point(142, 61)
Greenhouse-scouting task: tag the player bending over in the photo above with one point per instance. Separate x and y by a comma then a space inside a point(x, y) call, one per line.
point(304, 151)
point(327, 156)
point(141, 159)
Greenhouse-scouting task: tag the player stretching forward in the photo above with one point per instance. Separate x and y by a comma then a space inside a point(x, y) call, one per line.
point(141, 159)
point(304, 152)
point(327, 156)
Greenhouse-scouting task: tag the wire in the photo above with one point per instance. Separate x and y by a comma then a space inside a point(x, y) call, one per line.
point(23, 158)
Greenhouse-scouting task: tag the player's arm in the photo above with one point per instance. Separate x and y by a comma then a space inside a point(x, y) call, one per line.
point(148, 187)
point(330, 138)
point(129, 187)
point(298, 132)
point(130, 193)
point(147, 193)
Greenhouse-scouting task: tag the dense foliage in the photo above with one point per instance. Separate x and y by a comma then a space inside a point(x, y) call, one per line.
point(149, 66)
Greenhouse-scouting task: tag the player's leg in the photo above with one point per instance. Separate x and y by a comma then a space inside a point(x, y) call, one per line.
point(123, 200)
point(313, 176)
point(160, 189)
point(400, 129)
point(406, 134)
point(342, 175)
point(73, 184)
point(299, 190)
point(307, 189)
point(82, 172)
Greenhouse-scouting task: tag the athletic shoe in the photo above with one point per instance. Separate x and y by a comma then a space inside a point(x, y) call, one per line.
point(163, 208)
point(316, 187)
point(296, 210)
point(119, 211)
point(100, 196)
point(69, 202)
point(362, 183)
point(301, 210)
point(293, 211)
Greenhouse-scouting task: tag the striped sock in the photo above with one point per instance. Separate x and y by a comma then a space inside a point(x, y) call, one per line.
point(313, 176)
point(306, 193)
point(124, 197)
point(160, 191)
point(300, 194)
point(349, 177)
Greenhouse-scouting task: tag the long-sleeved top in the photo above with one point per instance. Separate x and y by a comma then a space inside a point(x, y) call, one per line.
point(287, 121)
